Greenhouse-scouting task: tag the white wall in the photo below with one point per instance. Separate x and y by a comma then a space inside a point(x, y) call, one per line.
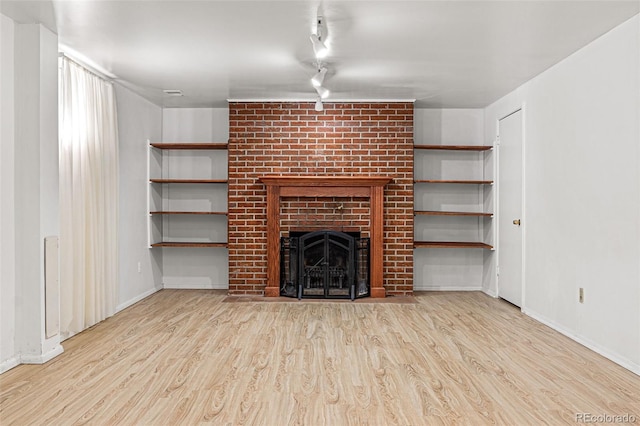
point(195, 267)
point(30, 191)
point(140, 268)
point(36, 182)
point(8, 351)
point(449, 269)
point(581, 219)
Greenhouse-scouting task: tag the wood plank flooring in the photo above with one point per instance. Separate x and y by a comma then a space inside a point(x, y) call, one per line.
point(186, 357)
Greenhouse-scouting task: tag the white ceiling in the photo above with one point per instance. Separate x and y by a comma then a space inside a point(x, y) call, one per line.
point(440, 53)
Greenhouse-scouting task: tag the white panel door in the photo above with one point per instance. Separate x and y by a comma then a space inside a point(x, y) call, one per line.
point(510, 208)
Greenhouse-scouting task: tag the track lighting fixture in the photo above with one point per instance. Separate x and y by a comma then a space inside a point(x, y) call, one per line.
point(319, 47)
point(322, 92)
point(317, 79)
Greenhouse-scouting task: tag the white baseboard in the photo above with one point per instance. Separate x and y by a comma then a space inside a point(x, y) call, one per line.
point(136, 299)
point(490, 293)
point(9, 364)
point(42, 358)
point(447, 288)
point(195, 286)
point(30, 359)
point(173, 286)
point(622, 361)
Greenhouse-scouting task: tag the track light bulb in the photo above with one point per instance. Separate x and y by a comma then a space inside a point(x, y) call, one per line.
point(319, 106)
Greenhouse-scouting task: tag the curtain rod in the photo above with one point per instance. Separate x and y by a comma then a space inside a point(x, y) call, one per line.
point(87, 68)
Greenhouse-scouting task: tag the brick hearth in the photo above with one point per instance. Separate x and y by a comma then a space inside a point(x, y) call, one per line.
point(292, 139)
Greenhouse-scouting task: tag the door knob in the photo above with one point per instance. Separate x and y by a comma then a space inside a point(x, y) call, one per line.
point(516, 222)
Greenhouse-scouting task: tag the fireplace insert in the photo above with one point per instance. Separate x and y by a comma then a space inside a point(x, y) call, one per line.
point(324, 264)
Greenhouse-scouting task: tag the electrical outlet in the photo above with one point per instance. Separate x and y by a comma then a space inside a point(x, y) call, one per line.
point(581, 295)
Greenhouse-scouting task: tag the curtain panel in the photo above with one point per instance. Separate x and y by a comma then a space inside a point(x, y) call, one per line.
point(88, 198)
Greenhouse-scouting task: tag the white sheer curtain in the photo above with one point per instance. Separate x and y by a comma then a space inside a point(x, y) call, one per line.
point(88, 199)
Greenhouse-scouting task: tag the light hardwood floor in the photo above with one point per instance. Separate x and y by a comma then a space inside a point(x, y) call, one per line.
point(188, 357)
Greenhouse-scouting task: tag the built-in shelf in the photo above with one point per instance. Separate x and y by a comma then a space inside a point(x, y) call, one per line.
point(455, 147)
point(450, 244)
point(475, 161)
point(188, 180)
point(190, 146)
point(174, 212)
point(180, 196)
point(438, 213)
point(470, 182)
point(189, 244)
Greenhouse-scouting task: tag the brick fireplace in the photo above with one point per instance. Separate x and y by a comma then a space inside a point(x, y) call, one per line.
point(345, 140)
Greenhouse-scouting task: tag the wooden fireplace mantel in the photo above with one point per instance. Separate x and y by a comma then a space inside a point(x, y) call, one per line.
point(371, 187)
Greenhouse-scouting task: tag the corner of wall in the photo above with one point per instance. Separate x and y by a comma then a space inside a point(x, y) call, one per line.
point(140, 273)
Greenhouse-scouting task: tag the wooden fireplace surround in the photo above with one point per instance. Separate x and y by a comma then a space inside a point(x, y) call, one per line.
point(371, 187)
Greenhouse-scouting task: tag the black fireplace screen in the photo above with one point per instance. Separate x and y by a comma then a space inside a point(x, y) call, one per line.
point(324, 264)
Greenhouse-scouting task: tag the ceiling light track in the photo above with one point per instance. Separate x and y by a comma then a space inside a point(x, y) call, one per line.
point(321, 50)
